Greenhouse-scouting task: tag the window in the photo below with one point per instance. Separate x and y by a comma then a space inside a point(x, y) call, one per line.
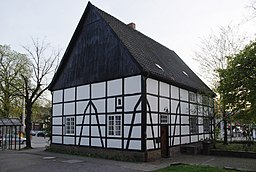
point(192, 97)
point(70, 125)
point(114, 125)
point(119, 104)
point(193, 125)
point(163, 119)
point(206, 125)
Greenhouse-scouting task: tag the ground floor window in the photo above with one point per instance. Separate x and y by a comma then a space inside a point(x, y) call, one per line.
point(114, 125)
point(193, 125)
point(70, 125)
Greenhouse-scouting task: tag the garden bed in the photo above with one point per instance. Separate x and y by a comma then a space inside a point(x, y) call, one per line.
point(240, 149)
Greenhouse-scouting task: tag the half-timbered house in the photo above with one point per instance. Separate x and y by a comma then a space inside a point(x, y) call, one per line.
point(118, 93)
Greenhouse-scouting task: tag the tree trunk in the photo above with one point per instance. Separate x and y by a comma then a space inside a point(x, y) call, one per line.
point(225, 129)
point(28, 124)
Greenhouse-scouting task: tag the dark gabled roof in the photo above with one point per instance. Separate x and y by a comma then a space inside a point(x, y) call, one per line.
point(153, 59)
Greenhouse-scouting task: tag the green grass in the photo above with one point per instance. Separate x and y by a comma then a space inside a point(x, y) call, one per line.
point(192, 168)
point(236, 147)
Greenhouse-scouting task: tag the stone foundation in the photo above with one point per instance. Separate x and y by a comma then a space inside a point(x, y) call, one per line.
point(122, 155)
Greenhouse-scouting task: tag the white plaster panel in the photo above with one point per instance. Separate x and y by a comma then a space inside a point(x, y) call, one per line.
point(57, 96)
point(69, 94)
point(184, 108)
point(83, 92)
point(174, 105)
point(184, 120)
point(80, 107)
point(114, 143)
point(57, 130)
point(194, 138)
point(183, 95)
point(84, 141)
point(98, 90)
point(111, 105)
point(130, 102)
point(184, 139)
point(184, 130)
point(69, 108)
point(154, 118)
point(150, 144)
point(96, 142)
point(176, 141)
point(149, 131)
point(153, 103)
point(136, 132)
point(174, 92)
point(95, 131)
point(132, 85)
point(164, 89)
point(152, 86)
point(80, 119)
point(100, 117)
point(177, 130)
point(135, 144)
point(57, 110)
point(57, 120)
point(69, 140)
point(164, 105)
point(173, 117)
point(100, 105)
point(102, 129)
point(126, 131)
point(128, 118)
point(56, 139)
point(78, 130)
point(85, 131)
point(115, 87)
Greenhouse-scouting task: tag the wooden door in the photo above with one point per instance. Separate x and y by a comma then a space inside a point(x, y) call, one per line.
point(164, 141)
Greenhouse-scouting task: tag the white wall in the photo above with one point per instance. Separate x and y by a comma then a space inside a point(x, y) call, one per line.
point(74, 101)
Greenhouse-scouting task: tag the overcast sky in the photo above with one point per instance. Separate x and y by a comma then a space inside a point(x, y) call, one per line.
point(177, 24)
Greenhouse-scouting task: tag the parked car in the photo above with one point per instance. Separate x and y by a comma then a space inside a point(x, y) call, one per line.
point(41, 134)
point(8, 137)
point(33, 133)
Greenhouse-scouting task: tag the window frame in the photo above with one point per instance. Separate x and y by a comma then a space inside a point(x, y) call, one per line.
point(70, 125)
point(115, 125)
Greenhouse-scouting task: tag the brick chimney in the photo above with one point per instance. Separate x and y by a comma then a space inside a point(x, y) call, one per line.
point(132, 25)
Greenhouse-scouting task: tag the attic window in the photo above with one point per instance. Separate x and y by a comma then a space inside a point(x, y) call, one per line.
point(185, 73)
point(157, 65)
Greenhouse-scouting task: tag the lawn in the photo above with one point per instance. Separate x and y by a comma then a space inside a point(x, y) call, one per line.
point(192, 168)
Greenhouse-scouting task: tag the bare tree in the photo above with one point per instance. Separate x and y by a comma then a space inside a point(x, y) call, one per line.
point(42, 64)
point(214, 50)
point(213, 55)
